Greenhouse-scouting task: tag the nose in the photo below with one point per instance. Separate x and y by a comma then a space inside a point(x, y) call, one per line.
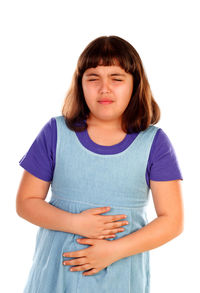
point(104, 87)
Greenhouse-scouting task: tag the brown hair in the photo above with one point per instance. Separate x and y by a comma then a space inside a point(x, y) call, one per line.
point(142, 109)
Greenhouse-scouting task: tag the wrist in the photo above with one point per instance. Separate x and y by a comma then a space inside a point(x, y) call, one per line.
point(73, 223)
point(116, 249)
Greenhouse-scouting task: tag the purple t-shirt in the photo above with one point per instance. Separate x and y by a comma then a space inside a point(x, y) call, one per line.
point(40, 158)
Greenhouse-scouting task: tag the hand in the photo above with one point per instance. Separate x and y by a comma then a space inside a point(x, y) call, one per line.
point(95, 258)
point(92, 225)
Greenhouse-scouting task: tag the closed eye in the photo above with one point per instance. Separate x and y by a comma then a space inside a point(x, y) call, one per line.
point(113, 79)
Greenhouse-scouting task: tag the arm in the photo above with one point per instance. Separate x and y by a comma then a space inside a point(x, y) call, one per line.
point(31, 205)
point(168, 225)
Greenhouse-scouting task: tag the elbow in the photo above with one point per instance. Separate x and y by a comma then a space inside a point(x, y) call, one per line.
point(178, 231)
point(19, 208)
point(178, 227)
point(174, 226)
point(176, 222)
point(181, 229)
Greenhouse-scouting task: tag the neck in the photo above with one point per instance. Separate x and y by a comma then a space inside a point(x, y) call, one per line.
point(107, 125)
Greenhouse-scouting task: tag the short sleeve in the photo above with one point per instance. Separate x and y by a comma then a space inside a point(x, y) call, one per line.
point(39, 160)
point(163, 163)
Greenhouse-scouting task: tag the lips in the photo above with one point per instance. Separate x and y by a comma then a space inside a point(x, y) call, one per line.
point(105, 100)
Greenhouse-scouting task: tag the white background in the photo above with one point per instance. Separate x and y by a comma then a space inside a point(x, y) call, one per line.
point(40, 45)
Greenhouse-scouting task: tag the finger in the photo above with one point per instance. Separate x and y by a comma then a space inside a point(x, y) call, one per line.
point(100, 210)
point(81, 268)
point(115, 225)
point(90, 272)
point(77, 261)
point(114, 231)
point(112, 218)
point(110, 233)
point(89, 241)
point(78, 253)
point(107, 236)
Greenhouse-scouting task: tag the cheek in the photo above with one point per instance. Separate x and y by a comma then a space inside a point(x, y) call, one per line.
point(123, 92)
point(89, 96)
point(88, 90)
point(124, 96)
point(128, 91)
point(86, 93)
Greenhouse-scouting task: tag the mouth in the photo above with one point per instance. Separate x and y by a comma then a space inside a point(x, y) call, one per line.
point(105, 102)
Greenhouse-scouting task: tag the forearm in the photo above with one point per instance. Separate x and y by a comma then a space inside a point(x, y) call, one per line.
point(154, 234)
point(43, 214)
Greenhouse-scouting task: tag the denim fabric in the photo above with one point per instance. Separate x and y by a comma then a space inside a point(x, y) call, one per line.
point(83, 180)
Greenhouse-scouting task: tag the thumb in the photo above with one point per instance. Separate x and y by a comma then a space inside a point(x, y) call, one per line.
point(100, 210)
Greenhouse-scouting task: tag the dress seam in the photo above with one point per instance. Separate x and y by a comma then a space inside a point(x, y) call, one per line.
point(92, 204)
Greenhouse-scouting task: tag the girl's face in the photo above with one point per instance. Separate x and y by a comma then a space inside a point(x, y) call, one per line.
point(107, 83)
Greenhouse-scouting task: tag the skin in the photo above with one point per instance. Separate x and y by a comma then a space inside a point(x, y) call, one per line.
point(31, 205)
point(167, 195)
point(107, 82)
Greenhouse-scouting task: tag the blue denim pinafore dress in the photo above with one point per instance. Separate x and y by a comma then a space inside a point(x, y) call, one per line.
point(83, 180)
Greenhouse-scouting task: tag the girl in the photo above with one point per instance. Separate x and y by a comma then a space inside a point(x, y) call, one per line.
point(101, 157)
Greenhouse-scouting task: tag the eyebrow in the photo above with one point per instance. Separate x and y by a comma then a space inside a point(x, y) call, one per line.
point(112, 74)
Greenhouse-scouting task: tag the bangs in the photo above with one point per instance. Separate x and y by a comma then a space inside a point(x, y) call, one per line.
point(142, 109)
point(106, 52)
